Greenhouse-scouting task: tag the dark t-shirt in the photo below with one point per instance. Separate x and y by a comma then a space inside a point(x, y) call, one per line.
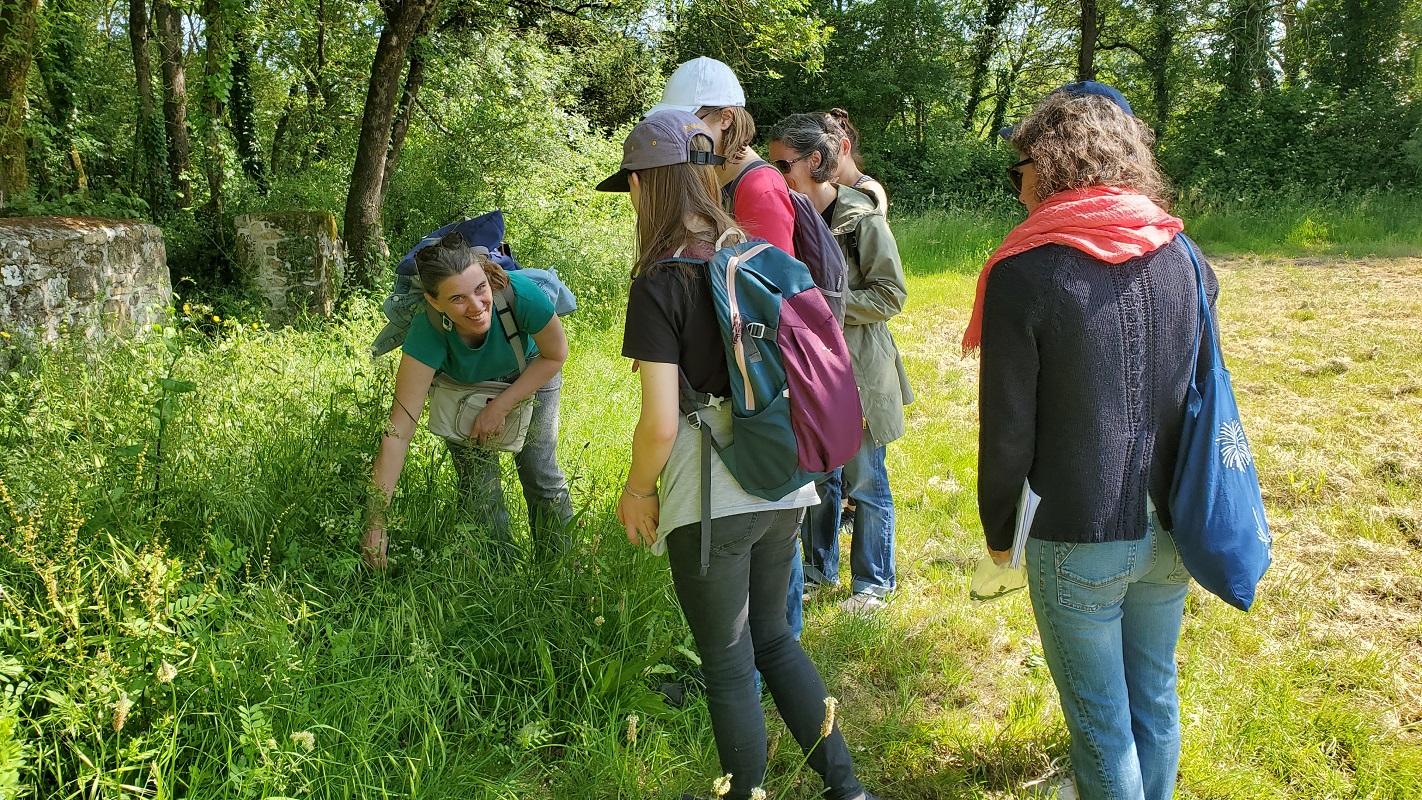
point(828, 213)
point(671, 319)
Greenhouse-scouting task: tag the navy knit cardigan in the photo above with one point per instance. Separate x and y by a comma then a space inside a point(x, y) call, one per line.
point(1084, 371)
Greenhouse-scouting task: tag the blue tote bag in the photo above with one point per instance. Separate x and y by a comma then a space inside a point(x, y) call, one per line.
point(1218, 511)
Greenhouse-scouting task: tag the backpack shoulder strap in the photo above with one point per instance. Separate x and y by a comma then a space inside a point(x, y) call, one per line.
point(692, 402)
point(728, 192)
point(503, 306)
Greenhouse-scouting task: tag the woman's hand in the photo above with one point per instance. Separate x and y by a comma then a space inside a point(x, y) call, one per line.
point(373, 547)
point(639, 515)
point(490, 422)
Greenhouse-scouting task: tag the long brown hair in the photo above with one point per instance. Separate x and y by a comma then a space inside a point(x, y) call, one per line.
point(739, 135)
point(670, 196)
point(450, 256)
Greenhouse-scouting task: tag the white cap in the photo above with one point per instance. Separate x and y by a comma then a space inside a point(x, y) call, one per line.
point(699, 83)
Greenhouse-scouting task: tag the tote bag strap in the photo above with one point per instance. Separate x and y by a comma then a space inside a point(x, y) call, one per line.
point(1204, 332)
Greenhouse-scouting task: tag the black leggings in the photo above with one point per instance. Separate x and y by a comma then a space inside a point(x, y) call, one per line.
point(737, 615)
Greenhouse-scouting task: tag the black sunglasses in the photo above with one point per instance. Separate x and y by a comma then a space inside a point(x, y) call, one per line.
point(1014, 174)
point(784, 166)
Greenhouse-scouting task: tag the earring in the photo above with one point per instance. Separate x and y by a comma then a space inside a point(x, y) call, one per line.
point(446, 323)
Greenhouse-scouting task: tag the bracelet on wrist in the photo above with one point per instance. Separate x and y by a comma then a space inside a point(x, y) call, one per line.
point(639, 495)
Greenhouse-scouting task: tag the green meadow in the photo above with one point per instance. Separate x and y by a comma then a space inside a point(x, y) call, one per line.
point(183, 613)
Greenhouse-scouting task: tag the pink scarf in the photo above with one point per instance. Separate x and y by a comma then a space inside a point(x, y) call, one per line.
point(1108, 223)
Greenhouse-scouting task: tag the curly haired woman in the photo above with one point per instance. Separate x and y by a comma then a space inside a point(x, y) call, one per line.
point(1086, 316)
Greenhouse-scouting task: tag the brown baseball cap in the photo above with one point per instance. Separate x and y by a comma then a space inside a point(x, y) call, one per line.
point(662, 139)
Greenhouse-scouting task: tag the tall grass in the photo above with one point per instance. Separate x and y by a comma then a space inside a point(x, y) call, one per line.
point(183, 614)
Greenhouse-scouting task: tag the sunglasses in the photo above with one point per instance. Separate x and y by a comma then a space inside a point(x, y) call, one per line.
point(784, 166)
point(1014, 174)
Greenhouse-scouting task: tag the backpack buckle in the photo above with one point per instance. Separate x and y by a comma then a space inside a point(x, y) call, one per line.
point(755, 330)
point(695, 419)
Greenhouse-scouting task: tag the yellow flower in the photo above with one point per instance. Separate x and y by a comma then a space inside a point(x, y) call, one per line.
point(599, 620)
point(721, 786)
point(4, 334)
point(216, 318)
point(187, 308)
point(757, 794)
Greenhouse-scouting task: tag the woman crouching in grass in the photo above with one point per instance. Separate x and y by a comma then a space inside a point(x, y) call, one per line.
point(1087, 317)
point(469, 344)
point(736, 608)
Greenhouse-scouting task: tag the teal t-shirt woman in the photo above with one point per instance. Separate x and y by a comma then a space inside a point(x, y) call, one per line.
point(469, 345)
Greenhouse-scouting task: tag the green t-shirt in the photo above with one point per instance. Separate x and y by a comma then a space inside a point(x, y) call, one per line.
point(446, 352)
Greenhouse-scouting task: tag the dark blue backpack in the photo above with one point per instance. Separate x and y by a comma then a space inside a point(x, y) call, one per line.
point(1218, 511)
point(406, 298)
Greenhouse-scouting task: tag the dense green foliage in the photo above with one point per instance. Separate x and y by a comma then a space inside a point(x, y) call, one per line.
point(519, 103)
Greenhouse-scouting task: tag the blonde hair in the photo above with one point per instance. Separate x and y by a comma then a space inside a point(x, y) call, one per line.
point(668, 197)
point(737, 137)
point(1076, 141)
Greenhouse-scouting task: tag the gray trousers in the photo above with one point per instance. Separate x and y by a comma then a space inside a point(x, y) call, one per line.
point(545, 489)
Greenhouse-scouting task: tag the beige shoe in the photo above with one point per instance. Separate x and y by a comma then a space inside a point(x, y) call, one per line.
point(862, 604)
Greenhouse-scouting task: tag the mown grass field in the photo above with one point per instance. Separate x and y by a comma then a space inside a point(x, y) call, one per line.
point(190, 620)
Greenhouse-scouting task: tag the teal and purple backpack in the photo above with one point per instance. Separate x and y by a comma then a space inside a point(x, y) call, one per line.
point(795, 412)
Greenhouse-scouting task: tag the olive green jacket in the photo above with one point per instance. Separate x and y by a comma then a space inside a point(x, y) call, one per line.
point(876, 293)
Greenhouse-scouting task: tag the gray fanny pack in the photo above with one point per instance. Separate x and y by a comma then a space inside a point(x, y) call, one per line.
point(454, 405)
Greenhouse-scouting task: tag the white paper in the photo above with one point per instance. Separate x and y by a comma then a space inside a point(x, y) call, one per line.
point(1026, 511)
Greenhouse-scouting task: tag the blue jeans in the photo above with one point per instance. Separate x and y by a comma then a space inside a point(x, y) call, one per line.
point(545, 489)
point(871, 552)
point(736, 614)
point(795, 597)
point(1109, 615)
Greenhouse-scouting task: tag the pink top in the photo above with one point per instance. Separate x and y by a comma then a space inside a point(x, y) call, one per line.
point(762, 208)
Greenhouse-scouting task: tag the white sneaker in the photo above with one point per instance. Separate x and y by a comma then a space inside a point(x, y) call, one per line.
point(1056, 786)
point(862, 604)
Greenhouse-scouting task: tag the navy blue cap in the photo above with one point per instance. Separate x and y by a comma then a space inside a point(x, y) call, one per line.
point(1082, 89)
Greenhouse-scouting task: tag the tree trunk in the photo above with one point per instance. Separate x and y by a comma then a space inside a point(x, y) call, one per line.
point(169, 23)
point(1292, 51)
point(414, 79)
point(1163, 22)
point(365, 240)
point(318, 97)
point(1006, 83)
point(214, 98)
point(279, 135)
point(19, 20)
point(57, 64)
point(983, 46)
point(1086, 53)
point(243, 113)
point(150, 160)
point(1248, 67)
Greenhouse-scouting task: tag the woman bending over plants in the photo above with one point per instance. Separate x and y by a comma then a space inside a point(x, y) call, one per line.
point(488, 356)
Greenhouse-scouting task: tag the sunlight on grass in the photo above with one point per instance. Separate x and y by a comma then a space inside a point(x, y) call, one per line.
point(229, 557)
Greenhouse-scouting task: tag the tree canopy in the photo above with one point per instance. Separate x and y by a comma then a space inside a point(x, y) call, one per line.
point(400, 114)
